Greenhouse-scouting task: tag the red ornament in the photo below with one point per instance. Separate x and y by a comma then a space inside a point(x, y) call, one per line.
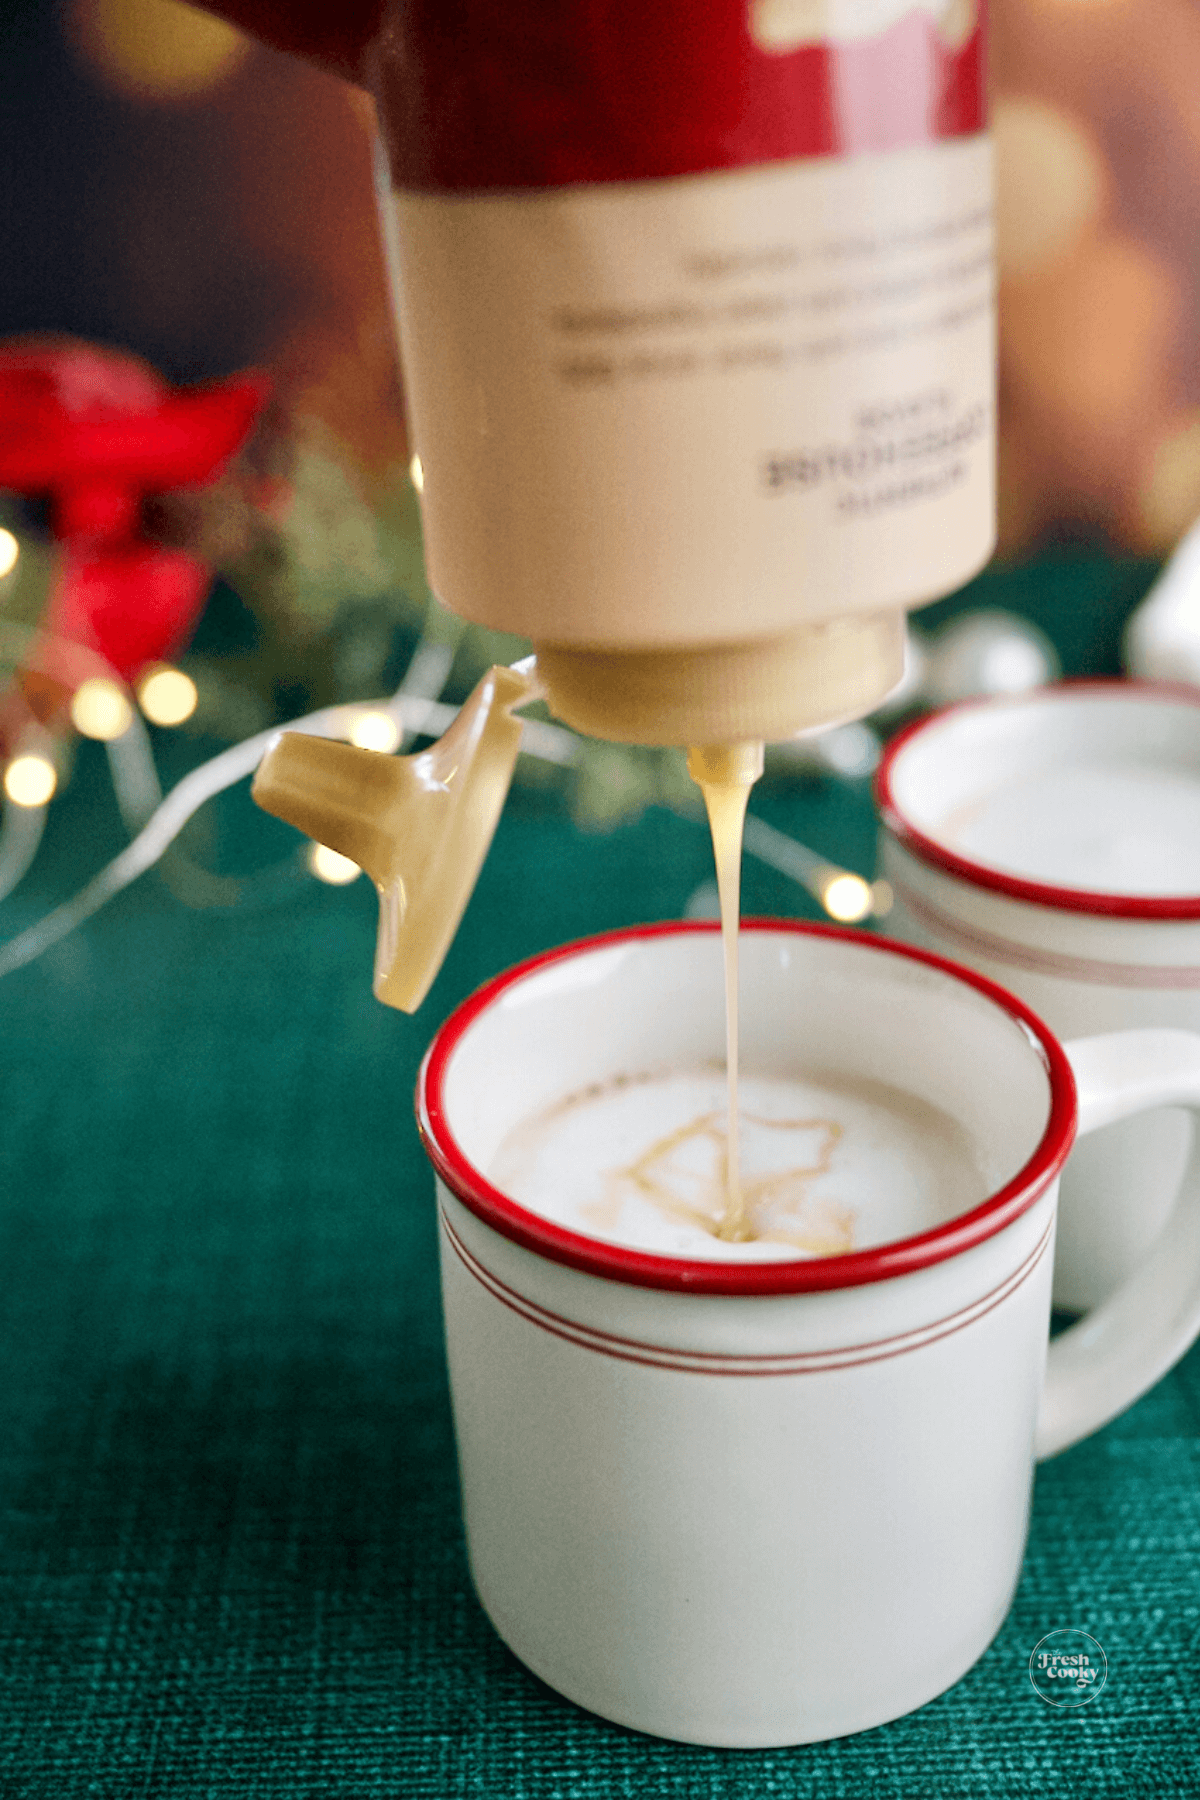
point(98, 432)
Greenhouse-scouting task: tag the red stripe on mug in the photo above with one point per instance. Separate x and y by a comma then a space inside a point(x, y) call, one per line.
point(617, 1262)
point(696, 1362)
point(937, 855)
point(1011, 954)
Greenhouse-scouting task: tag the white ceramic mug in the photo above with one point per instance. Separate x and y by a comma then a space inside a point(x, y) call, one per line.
point(765, 1503)
point(1087, 957)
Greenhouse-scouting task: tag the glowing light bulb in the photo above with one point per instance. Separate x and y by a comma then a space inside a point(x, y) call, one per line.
point(99, 709)
point(1051, 184)
point(155, 49)
point(30, 780)
point(847, 898)
point(1170, 497)
point(417, 474)
point(375, 731)
point(9, 552)
point(167, 696)
point(328, 865)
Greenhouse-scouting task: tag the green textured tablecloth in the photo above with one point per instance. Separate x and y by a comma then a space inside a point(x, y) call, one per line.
point(231, 1560)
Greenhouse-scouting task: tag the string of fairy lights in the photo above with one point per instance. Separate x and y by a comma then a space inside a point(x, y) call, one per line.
point(106, 710)
point(100, 708)
point(1097, 296)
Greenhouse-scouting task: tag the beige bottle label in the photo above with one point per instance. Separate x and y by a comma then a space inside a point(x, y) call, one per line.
point(709, 408)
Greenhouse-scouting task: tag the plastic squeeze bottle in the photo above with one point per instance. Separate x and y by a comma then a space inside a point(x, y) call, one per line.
point(696, 312)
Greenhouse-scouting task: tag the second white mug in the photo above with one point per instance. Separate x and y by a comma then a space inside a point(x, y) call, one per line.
point(1052, 841)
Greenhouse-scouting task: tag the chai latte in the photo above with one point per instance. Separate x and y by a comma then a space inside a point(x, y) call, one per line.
point(826, 1166)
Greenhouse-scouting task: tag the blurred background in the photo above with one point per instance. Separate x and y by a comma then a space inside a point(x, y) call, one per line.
point(177, 193)
point(171, 188)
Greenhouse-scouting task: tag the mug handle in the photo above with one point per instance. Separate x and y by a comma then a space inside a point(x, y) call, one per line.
point(1114, 1354)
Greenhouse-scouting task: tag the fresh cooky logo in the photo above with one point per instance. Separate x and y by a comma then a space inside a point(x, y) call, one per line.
point(783, 25)
point(1068, 1668)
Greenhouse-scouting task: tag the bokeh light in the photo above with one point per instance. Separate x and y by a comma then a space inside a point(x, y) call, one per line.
point(167, 696)
point(1170, 495)
point(1051, 184)
point(375, 731)
point(99, 709)
point(847, 898)
point(156, 49)
point(329, 865)
point(10, 550)
point(30, 780)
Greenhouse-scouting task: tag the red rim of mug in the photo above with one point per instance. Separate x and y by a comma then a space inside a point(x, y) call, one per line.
point(615, 1262)
point(1016, 887)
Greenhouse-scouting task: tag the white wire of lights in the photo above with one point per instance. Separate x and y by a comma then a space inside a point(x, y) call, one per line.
point(20, 835)
point(550, 743)
point(416, 716)
point(385, 725)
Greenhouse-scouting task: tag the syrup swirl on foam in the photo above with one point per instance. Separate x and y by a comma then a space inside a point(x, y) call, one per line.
point(819, 1167)
point(601, 1162)
point(774, 1207)
point(830, 1163)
